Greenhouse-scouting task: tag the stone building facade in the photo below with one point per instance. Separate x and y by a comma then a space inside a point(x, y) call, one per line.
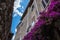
point(29, 18)
point(6, 8)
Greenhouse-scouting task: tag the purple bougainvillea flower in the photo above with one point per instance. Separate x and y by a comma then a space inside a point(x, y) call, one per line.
point(28, 36)
point(53, 14)
point(54, 0)
point(38, 24)
point(45, 18)
point(54, 6)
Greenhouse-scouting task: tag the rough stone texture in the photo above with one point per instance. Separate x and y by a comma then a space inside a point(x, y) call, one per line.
point(6, 8)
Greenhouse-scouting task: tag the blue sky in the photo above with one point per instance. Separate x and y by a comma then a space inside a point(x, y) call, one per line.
point(19, 8)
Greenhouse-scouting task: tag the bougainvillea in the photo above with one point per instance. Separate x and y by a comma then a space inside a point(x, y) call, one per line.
point(48, 25)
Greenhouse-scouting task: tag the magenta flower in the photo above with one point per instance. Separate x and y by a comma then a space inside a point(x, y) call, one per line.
point(44, 28)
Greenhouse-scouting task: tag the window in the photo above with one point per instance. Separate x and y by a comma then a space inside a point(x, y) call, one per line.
point(44, 5)
point(32, 8)
point(28, 28)
point(45, 2)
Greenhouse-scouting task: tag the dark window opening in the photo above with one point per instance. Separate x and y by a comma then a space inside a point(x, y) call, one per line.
point(28, 28)
point(43, 4)
point(32, 8)
point(47, 1)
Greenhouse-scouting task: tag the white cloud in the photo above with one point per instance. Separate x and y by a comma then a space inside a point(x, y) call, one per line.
point(16, 5)
point(15, 15)
point(19, 13)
